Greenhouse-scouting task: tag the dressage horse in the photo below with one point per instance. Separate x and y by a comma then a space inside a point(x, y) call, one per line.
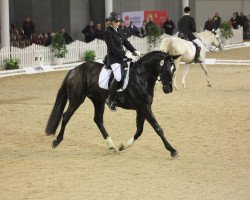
point(82, 82)
point(178, 46)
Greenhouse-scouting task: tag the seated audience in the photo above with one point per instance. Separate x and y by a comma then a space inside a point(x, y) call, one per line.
point(168, 26)
point(209, 25)
point(133, 30)
point(67, 37)
point(89, 31)
point(99, 32)
point(216, 21)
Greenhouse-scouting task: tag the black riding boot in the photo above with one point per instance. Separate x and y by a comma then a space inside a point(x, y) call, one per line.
point(197, 58)
point(112, 93)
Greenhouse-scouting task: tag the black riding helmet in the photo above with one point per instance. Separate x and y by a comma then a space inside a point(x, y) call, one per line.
point(115, 16)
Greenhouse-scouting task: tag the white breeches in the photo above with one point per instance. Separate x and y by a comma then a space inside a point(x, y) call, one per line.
point(198, 42)
point(116, 68)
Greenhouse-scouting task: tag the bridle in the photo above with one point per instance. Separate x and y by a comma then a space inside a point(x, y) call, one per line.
point(164, 71)
point(216, 47)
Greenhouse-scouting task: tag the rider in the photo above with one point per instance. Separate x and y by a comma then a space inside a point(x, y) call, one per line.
point(116, 41)
point(187, 26)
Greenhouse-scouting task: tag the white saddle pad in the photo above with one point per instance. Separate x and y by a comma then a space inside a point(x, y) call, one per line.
point(104, 78)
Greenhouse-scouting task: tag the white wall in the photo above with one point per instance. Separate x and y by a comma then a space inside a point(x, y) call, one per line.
point(226, 8)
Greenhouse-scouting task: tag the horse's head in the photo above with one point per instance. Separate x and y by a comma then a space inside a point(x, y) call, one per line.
point(167, 70)
point(217, 40)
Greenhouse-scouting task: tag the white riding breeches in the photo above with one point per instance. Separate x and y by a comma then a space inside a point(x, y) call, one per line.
point(198, 42)
point(116, 68)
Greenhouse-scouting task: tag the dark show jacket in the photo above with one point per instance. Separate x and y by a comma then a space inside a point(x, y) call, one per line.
point(187, 25)
point(115, 41)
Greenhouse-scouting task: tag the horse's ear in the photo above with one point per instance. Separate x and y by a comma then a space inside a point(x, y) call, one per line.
point(176, 56)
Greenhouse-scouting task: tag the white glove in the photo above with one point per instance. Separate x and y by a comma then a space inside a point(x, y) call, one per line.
point(137, 53)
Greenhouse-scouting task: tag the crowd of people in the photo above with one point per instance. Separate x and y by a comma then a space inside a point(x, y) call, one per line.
point(26, 35)
point(235, 21)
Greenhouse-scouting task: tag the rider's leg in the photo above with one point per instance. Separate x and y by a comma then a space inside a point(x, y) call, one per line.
point(116, 67)
point(197, 58)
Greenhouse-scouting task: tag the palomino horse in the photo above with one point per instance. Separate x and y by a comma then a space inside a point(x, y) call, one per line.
point(82, 82)
point(178, 46)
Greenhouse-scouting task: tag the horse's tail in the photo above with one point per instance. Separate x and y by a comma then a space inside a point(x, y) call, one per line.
point(56, 114)
point(165, 45)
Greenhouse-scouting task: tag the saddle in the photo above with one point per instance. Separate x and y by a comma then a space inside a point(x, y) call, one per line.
point(106, 75)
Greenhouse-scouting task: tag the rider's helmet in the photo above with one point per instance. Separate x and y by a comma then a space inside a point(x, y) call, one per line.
point(115, 16)
point(187, 9)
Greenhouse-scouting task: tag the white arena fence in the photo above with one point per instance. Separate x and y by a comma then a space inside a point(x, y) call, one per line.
point(37, 58)
point(31, 55)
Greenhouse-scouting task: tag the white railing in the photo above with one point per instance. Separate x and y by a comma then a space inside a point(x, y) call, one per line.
point(28, 55)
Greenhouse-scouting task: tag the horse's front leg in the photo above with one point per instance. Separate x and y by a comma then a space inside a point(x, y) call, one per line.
point(177, 65)
point(147, 111)
point(98, 118)
point(185, 73)
point(204, 67)
point(140, 119)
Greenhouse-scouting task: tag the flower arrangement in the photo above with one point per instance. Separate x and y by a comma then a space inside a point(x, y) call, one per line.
point(226, 30)
point(11, 63)
point(58, 45)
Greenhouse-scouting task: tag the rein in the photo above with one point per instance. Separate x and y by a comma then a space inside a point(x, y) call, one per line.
point(209, 49)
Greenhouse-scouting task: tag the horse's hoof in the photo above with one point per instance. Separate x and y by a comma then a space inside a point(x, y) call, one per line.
point(49, 133)
point(113, 149)
point(54, 144)
point(121, 147)
point(174, 154)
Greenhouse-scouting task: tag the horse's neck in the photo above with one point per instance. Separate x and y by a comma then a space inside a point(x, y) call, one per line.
point(205, 37)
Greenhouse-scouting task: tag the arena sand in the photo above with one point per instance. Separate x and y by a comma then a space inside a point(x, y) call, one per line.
point(210, 127)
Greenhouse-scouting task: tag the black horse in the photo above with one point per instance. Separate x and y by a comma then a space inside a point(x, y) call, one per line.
point(82, 82)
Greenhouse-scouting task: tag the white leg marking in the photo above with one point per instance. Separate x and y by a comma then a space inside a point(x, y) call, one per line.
point(110, 144)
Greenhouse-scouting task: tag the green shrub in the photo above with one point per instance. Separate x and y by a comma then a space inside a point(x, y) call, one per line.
point(226, 30)
point(89, 55)
point(11, 63)
point(154, 33)
point(58, 45)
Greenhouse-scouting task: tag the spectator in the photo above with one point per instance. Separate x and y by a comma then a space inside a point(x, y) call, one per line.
point(133, 30)
point(216, 21)
point(168, 26)
point(67, 37)
point(124, 28)
point(143, 29)
point(244, 24)
point(89, 31)
point(99, 32)
point(149, 23)
point(28, 27)
point(107, 22)
point(209, 24)
point(49, 39)
point(235, 20)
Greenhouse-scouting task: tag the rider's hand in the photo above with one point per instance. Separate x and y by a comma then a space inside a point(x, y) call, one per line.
point(137, 53)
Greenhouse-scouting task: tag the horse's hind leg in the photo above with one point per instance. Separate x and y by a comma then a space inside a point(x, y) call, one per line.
point(204, 67)
point(65, 119)
point(140, 119)
point(98, 119)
